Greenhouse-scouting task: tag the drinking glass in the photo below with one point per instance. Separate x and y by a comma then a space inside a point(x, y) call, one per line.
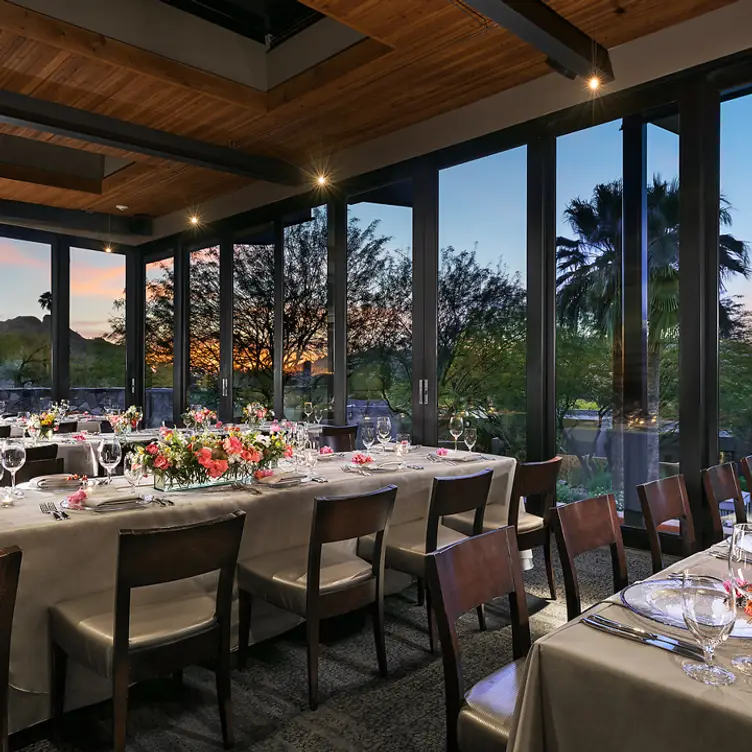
point(709, 612)
point(33, 434)
point(110, 452)
point(402, 447)
point(310, 458)
point(384, 431)
point(471, 436)
point(740, 575)
point(368, 435)
point(318, 414)
point(13, 458)
point(307, 410)
point(456, 426)
point(133, 470)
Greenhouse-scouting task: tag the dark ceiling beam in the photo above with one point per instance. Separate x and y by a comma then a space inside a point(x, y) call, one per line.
point(567, 47)
point(73, 220)
point(51, 117)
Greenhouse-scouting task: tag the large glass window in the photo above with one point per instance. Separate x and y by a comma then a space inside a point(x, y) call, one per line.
point(25, 325)
point(306, 364)
point(379, 312)
point(159, 338)
point(203, 383)
point(97, 336)
point(735, 420)
point(253, 325)
point(482, 300)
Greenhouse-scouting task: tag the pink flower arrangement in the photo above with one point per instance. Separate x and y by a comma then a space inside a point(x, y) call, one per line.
point(161, 462)
point(442, 452)
point(361, 459)
point(275, 427)
point(263, 473)
point(76, 500)
point(78, 436)
point(326, 450)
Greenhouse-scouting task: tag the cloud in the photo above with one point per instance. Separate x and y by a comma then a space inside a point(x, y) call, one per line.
point(94, 281)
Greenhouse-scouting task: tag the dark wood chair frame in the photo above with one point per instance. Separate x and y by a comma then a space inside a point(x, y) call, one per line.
point(339, 438)
point(721, 483)
point(536, 481)
point(67, 426)
point(335, 519)
point(463, 576)
point(155, 556)
point(34, 469)
point(745, 465)
point(663, 500)
point(5, 432)
point(580, 527)
point(10, 569)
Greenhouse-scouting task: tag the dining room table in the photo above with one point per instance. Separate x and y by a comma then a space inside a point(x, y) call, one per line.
point(585, 690)
point(71, 558)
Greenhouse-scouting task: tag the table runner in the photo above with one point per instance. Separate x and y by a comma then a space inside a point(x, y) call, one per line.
point(585, 691)
point(66, 560)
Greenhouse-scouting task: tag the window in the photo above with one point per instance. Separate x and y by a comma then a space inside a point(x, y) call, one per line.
point(482, 300)
point(159, 337)
point(379, 313)
point(97, 336)
point(25, 325)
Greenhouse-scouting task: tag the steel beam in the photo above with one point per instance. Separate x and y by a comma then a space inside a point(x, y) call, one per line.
point(60, 313)
point(278, 343)
point(226, 311)
point(336, 215)
point(135, 324)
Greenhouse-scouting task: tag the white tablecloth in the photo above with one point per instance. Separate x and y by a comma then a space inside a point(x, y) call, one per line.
point(65, 560)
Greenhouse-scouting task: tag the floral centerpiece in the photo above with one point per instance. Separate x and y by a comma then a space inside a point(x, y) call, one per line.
point(254, 413)
point(127, 421)
point(60, 409)
point(199, 417)
point(180, 460)
point(42, 424)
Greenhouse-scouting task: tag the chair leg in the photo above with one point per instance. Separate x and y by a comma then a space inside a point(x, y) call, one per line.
point(481, 618)
point(224, 697)
point(421, 592)
point(431, 625)
point(59, 674)
point(245, 607)
point(312, 633)
point(119, 704)
point(549, 567)
point(378, 634)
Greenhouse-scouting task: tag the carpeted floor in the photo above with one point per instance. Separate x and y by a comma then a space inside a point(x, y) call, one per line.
point(358, 710)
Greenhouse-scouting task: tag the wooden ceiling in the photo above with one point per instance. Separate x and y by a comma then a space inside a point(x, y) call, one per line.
point(422, 58)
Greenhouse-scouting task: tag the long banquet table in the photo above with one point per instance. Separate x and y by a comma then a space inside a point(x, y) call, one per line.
point(74, 558)
point(585, 691)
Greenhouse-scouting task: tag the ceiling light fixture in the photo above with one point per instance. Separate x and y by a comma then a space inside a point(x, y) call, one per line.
point(121, 207)
point(594, 83)
point(322, 180)
point(108, 249)
point(194, 220)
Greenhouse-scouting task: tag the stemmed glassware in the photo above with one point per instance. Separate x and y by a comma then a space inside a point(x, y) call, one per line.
point(709, 611)
point(456, 426)
point(384, 431)
point(318, 414)
point(740, 576)
point(310, 458)
point(402, 447)
point(368, 436)
point(13, 458)
point(307, 410)
point(133, 470)
point(470, 438)
point(110, 453)
point(33, 433)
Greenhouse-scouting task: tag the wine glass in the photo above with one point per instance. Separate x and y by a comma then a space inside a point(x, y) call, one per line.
point(307, 410)
point(110, 452)
point(456, 426)
point(709, 611)
point(33, 433)
point(13, 458)
point(402, 447)
point(384, 431)
point(310, 458)
point(471, 437)
point(368, 436)
point(133, 470)
point(318, 414)
point(740, 574)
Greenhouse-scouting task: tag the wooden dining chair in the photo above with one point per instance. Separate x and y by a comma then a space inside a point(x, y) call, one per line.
point(583, 526)
point(745, 465)
point(339, 438)
point(41, 452)
point(35, 469)
point(460, 577)
point(4, 432)
point(319, 581)
point(721, 483)
point(663, 500)
point(67, 426)
point(410, 542)
point(10, 568)
point(153, 639)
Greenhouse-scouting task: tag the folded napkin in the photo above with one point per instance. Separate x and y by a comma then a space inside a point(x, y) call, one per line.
point(101, 503)
point(282, 479)
point(384, 465)
point(62, 481)
point(459, 457)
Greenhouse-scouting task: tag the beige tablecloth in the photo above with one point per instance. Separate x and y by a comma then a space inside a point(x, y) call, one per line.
point(65, 560)
point(587, 692)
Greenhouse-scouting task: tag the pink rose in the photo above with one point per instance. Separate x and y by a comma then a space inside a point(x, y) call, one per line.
point(152, 449)
point(217, 468)
point(264, 473)
point(77, 499)
point(326, 450)
point(161, 462)
point(442, 452)
point(361, 459)
point(274, 427)
point(250, 455)
point(288, 451)
point(233, 445)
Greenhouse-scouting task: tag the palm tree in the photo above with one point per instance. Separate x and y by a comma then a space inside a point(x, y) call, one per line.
point(45, 301)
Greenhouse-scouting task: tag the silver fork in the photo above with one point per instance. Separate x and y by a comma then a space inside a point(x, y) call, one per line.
point(46, 508)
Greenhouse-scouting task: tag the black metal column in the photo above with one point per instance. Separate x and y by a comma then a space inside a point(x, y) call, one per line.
point(425, 304)
point(60, 332)
point(699, 175)
point(279, 317)
point(336, 215)
point(181, 363)
point(226, 310)
point(541, 299)
point(135, 302)
point(631, 414)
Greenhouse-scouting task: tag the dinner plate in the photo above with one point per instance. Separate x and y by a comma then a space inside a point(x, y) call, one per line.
point(457, 457)
point(283, 481)
point(376, 467)
point(661, 601)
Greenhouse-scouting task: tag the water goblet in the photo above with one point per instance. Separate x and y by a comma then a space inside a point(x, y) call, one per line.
point(307, 410)
point(384, 431)
point(33, 433)
point(368, 436)
point(13, 458)
point(709, 611)
point(310, 458)
point(456, 426)
point(402, 447)
point(740, 576)
point(133, 470)
point(110, 453)
point(470, 438)
point(318, 414)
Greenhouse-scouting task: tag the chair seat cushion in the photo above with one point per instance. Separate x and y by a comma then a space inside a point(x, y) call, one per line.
point(494, 518)
point(281, 578)
point(406, 546)
point(84, 628)
point(485, 719)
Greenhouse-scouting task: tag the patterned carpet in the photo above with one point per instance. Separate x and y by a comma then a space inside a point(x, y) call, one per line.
point(358, 710)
